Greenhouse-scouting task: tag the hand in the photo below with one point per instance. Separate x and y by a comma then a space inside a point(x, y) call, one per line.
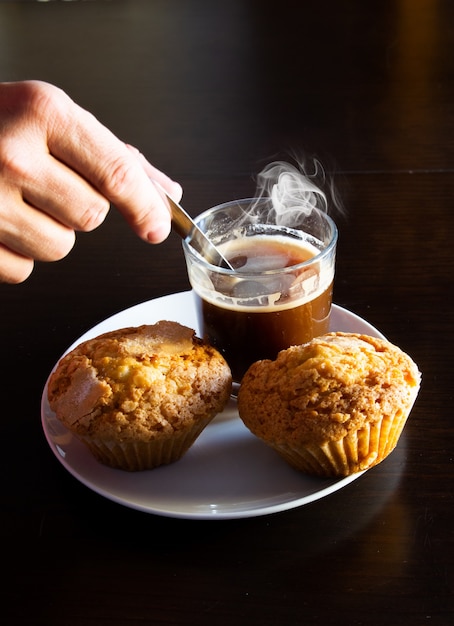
point(59, 171)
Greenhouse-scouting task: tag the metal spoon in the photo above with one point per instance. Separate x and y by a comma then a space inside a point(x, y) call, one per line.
point(184, 226)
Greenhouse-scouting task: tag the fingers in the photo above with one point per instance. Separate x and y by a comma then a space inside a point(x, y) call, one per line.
point(14, 268)
point(113, 169)
point(159, 180)
point(59, 171)
point(29, 232)
point(83, 166)
point(173, 188)
point(47, 184)
point(27, 235)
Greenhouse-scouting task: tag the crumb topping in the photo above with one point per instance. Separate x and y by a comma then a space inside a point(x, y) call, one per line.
point(136, 383)
point(323, 390)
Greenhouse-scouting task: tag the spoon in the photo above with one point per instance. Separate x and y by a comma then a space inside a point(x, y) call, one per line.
point(184, 226)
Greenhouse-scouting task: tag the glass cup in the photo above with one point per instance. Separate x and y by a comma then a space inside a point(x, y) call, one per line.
point(279, 293)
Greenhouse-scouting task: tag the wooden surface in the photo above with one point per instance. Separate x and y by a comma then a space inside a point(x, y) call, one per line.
point(211, 92)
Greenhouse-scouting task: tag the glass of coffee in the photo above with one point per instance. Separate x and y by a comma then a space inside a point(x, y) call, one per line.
point(280, 291)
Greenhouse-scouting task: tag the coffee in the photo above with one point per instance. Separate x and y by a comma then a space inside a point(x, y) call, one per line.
point(259, 310)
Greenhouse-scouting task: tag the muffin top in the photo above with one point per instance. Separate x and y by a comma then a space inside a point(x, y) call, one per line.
point(135, 383)
point(322, 390)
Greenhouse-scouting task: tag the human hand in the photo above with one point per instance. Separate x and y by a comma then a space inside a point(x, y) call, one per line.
point(60, 169)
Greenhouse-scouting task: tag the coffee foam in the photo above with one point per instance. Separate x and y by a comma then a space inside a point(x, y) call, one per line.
point(249, 290)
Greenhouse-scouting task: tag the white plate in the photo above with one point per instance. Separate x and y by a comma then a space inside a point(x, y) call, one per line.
point(228, 473)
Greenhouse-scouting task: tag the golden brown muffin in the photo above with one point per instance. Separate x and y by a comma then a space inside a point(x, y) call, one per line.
point(139, 397)
point(334, 406)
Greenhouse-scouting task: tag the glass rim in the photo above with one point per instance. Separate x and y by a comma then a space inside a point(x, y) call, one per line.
point(188, 249)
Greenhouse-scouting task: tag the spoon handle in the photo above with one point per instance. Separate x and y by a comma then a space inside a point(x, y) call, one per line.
point(184, 226)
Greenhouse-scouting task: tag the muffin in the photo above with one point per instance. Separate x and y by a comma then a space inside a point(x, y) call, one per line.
point(139, 397)
point(331, 407)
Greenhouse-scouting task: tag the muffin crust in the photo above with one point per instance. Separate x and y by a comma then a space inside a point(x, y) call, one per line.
point(337, 386)
point(139, 383)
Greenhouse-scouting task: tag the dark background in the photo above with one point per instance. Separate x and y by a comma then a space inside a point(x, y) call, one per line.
point(211, 92)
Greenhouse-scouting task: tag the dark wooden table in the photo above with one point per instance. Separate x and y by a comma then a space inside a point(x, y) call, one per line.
point(211, 92)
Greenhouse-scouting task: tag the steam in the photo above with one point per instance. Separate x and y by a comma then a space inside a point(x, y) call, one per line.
point(293, 192)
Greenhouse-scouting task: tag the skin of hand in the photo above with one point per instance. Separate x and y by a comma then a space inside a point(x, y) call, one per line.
point(60, 169)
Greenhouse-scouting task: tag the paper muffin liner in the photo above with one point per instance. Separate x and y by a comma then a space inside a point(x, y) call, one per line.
point(357, 451)
point(145, 455)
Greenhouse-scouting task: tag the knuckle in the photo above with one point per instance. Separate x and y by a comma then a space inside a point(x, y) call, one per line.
point(35, 99)
point(44, 246)
point(122, 184)
point(14, 269)
point(14, 163)
point(93, 215)
point(119, 179)
point(59, 247)
point(42, 97)
point(21, 272)
point(18, 273)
